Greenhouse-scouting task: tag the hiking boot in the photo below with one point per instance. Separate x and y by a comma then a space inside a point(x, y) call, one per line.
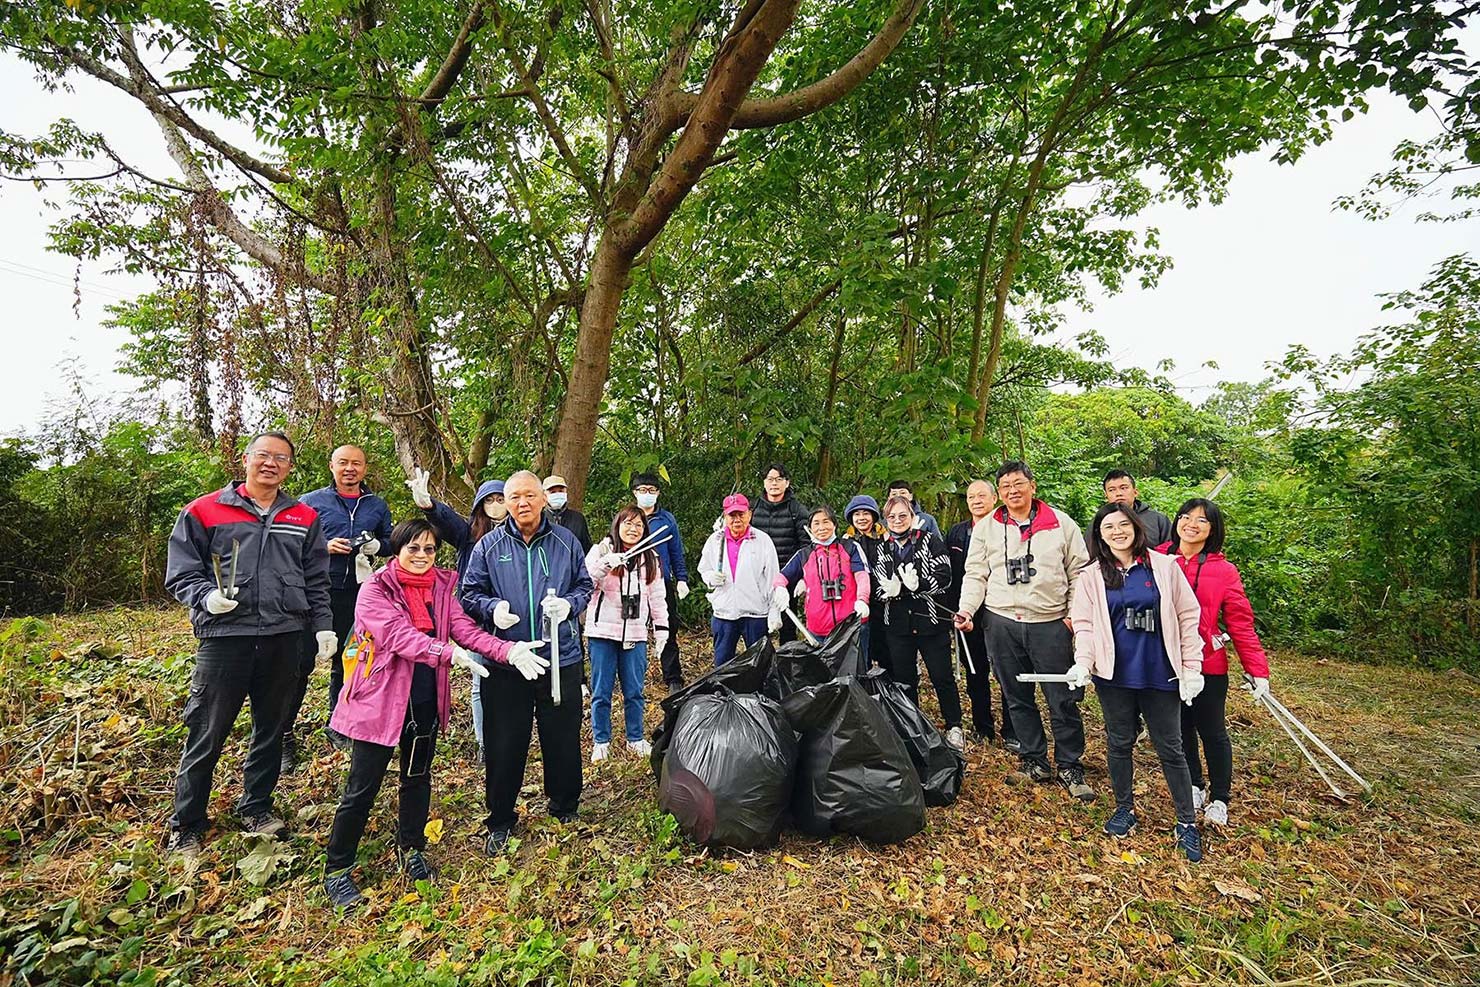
point(1121, 823)
point(1073, 780)
point(497, 840)
point(956, 739)
point(289, 763)
point(338, 741)
point(185, 844)
point(1216, 812)
point(342, 890)
point(1199, 798)
point(567, 818)
point(1189, 841)
point(264, 824)
point(1028, 773)
point(415, 866)
point(600, 752)
point(640, 747)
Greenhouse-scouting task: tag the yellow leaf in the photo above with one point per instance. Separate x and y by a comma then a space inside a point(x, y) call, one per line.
point(434, 831)
point(729, 867)
point(112, 721)
point(1132, 857)
point(794, 862)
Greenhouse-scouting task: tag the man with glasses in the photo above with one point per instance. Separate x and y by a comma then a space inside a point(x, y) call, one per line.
point(1021, 564)
point(357, 526)
point(645, 489)
point(250, 563)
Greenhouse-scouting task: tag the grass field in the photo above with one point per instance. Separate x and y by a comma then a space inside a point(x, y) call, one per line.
point(1009, 885)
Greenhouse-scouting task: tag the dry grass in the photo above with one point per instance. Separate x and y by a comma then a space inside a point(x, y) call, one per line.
point(1007, 885)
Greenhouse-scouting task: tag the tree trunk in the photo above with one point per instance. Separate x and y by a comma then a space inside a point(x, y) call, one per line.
point(1472, 617)
point(824, 459)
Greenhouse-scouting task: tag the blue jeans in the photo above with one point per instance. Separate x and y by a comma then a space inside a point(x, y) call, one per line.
point(609, 660)
point(727, 635)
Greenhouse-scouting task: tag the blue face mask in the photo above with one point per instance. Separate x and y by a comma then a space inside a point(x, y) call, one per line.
point(557, 500)
point(647, 501)
point(824, 544)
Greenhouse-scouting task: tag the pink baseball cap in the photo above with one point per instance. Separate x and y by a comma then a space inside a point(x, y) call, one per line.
point(736, 502)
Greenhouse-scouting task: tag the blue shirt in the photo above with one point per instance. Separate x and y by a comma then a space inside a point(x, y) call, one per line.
point(1140, 656)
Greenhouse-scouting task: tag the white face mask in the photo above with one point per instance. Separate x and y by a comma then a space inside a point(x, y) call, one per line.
point(557, 500)
point(495, 509)
point(647, 501)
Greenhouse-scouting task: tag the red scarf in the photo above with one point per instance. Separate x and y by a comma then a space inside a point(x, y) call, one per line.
point(418, 590)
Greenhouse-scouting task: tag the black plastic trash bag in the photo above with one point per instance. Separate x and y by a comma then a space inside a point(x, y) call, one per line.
point(854, 775)
point(941, 767)
point(729, 771)
point(801, 663)
point(745, 673)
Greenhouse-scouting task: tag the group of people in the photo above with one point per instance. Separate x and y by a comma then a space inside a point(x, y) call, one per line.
point(1143, 610)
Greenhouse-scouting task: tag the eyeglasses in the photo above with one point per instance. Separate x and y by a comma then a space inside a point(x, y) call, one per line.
point(280, 458)
point(1190, 519)
point(651, 490)
point(420, 549)
point(1014, 487)
point(900, 517)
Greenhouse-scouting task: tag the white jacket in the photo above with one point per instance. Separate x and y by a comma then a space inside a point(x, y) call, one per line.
point(746, 592)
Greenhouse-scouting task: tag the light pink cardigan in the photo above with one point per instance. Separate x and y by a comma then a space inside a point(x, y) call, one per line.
point(1094, 638)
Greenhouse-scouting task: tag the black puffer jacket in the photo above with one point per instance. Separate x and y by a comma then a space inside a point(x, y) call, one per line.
point(785, 522)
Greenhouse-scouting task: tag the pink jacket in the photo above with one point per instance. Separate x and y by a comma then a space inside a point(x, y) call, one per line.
point(1220, 591)
point(604, 612)
point(1094, 638)
point(373, 707)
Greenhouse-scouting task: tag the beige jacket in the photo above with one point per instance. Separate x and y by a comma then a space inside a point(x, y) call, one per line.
point(1058, 555)
point(1094, 638)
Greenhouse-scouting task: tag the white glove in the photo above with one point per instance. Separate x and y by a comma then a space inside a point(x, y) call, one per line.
point(611, 560)
point(463, 658)
point(860, 607)
point(1258, 690)
point(683, 590)
point(530, 663)
point(799, 590)
point(418, 485)
point(1078, 677)
point(371, 547)
point(909, 576)
point(716, 579)
point(363, 569)
point(1190, 686)
point(889, 586)
point(780, 598)
point(221, 601)
point(773, 622)
point(503, 617)
point(660, 641)
point(328, 644)
point(557, 607)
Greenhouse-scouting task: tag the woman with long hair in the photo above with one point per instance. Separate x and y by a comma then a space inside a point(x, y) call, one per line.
point(1135, 636)
point(629, 596)
point(1197, 547)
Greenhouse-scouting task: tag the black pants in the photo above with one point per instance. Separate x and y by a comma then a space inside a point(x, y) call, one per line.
point(342, 606)
point(367, 767)
point(1207, 719)
point(1123, 710)
point(878, 644)
point(935, 647)
point(228, 671)
point(512, 705)
point(669, 659)
point(979, 682)
point(1048, 646)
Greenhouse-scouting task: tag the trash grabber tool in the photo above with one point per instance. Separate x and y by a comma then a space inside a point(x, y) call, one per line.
point(965, 651)
point(216, 568)
point(1060, 678)
point(811, 638)
point(1310, 735)
point(637, 550)
point(1335, 789)
point(236, 553)
point(647, 542)
point(554, 652)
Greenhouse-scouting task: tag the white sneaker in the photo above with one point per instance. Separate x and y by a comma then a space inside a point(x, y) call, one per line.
point(1199, 798)
point(1216, 812)
point(640, 747)
point(599, 752)
point(956, 739)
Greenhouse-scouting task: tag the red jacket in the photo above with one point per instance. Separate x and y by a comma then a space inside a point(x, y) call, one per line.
point(1221, 594)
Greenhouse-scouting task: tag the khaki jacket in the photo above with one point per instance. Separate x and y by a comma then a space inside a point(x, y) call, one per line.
point(1058, 555)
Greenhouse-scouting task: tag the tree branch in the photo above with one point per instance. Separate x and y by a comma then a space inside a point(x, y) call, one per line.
point(784, 330)
point(456, 60)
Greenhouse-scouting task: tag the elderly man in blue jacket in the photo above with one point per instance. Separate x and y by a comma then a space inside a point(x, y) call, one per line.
point(523, 576)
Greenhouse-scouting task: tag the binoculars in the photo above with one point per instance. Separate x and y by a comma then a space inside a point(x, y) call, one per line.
point(832, 590)
point(1140, 619)
point(630, 606)
point(361, 539)
point(1020, 570)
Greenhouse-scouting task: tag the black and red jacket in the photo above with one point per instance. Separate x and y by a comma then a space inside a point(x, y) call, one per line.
point(282, 574)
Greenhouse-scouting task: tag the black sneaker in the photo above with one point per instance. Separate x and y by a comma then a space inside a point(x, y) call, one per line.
point(566, 818)
point(1029, 773)
point(342, 890)
point(265, 824)
point(289, 763)
point(1189, 841)
point(185, 843)
point(1011, 745)
point(338, 741)
point(497, 840)
point(414, 865)
point(1073, 780)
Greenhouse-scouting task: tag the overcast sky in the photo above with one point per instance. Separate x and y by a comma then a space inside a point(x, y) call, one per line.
point(1274, 264)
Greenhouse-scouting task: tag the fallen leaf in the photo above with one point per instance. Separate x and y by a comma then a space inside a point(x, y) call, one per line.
point(433, 831)
point(1236, 891)
point(794, 862)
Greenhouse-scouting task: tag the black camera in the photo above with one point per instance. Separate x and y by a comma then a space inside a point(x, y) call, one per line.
point(1020, 569)
point(361, 539)
point(1140, 619)
point(832, 590)
point(631, 606)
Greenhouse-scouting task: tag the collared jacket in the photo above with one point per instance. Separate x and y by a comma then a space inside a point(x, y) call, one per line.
point(958, 540)
point(784, 522)
point(282, 573)
point(670, 554)
point(925, 607)
point(372, 704)
point(604, 613)
point(573, 521)
point(1058, 551)
point(1094, 638)
point(346, 517)
point(1220, 593)
point(746, 591)
point(1158, 526)
point(840, 560)
point(504, 567)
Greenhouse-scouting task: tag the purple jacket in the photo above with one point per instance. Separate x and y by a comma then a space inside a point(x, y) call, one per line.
point(373, 707)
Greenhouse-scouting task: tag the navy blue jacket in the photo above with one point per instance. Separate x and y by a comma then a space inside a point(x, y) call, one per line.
point(670, 554)
point(455, 529)
point(346, 517)
point(503, 567)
